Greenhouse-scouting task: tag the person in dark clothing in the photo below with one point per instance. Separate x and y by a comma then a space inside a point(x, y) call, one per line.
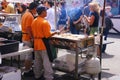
point(93, 19)
point(108, 25)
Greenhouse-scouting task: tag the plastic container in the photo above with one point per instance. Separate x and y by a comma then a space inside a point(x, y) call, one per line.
point(9, 46)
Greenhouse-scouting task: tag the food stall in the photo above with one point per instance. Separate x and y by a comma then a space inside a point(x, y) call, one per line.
point(77, 43)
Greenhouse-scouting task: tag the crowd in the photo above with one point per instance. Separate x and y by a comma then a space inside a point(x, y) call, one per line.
point(38, 24)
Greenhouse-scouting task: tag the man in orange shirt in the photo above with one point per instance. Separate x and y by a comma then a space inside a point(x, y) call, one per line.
point(41, 29)
point(26, 22)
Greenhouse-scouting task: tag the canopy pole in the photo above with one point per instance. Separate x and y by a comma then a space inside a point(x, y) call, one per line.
point(101, 38)
point(55, 14)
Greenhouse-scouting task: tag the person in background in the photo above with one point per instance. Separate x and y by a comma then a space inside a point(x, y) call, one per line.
point(108, 24)
point(108, 11)
point(74, 17)
point(51, 19)
point(86, 12)
point(62, 16)
point(93, 19)
point(41, 29)
point(7, 7)
point(26, 22)
point(50, 14)
point(21, 8)
point(114, 9)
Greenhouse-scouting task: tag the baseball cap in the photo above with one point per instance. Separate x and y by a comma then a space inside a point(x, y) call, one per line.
point(40, 9)
point(33, 5)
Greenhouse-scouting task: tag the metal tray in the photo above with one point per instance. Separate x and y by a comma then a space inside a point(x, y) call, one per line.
point(71, 41)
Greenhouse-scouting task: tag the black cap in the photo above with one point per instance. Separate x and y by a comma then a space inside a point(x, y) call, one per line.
point(32, 5)
point(40, 9)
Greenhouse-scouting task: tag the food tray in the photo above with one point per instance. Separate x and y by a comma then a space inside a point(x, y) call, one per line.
point(71, 41)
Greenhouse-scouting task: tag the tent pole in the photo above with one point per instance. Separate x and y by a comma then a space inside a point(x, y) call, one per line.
point(55, 14)
point(101, 38)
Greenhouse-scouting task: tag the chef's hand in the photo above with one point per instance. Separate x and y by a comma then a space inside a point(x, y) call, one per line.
point(57, 31)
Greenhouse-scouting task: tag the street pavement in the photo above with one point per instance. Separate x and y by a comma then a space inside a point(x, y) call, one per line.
point(111, 59)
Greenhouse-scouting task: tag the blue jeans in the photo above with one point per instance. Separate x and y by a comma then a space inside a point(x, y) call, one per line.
point(73, 29)
point(105, 33)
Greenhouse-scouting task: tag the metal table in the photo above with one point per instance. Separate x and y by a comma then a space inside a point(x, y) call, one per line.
point(72, 42)
point(22, 50)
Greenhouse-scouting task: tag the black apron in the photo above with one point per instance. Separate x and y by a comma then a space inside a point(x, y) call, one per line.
point(48, 47)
